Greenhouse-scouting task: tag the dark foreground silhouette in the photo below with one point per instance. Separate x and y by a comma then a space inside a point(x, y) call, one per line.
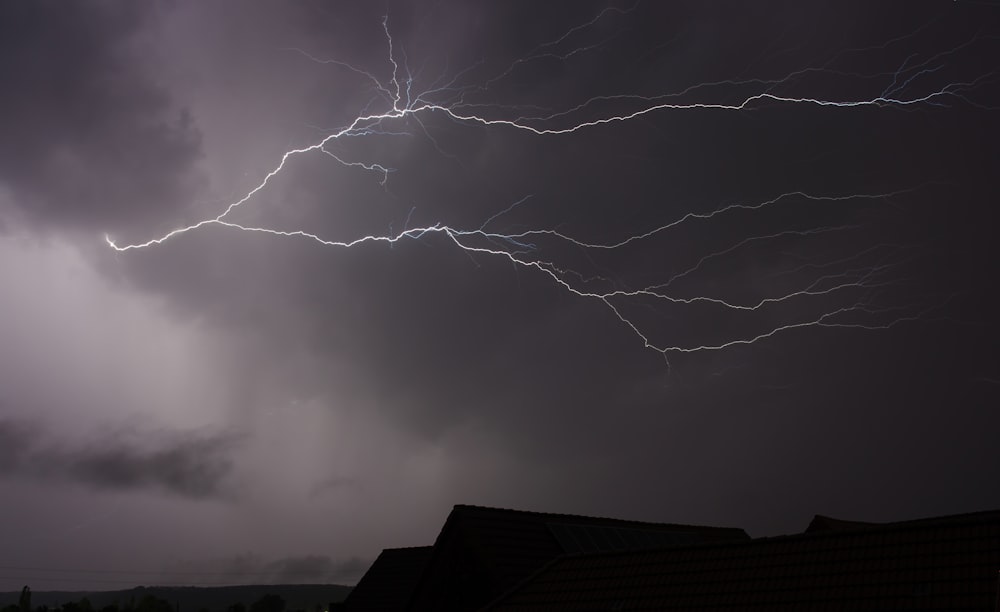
point(500, 560)
point(249, 598)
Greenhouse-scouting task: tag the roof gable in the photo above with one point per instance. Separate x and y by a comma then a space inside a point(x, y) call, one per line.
point(482, 552)
point(388, 583)
point(946, 563)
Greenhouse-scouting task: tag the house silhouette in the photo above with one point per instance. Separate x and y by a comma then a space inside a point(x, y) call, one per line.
point(482, 552)
point(507, 560)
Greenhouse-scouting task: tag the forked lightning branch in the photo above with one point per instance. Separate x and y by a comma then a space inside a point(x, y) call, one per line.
point(848, 288)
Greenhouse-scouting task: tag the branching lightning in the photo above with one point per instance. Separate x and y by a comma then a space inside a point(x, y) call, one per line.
point(843, 292)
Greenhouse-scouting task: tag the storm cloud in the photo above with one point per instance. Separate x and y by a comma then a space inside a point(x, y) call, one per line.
point(91, 140)
point(248, 568)
point(176, 463)
point(263, 403)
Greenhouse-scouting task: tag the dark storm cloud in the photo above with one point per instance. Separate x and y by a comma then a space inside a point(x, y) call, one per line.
point(91, 139)
point(334, 485)
point(250, 569)
point(177, 463)
point(309, 568)
point(441, 338)
point(384, 383)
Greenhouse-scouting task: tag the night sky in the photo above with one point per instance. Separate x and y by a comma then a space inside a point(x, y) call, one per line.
point(722, 263)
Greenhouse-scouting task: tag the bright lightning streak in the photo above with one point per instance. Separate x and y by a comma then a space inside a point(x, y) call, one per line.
point(855, 287)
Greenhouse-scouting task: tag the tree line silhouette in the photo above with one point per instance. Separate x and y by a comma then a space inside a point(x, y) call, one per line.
point(146, 603)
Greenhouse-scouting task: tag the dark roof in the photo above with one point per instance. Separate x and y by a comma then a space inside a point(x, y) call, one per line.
point(946, 563)
point(388, 583)
point(826, 523)
point(481, 552)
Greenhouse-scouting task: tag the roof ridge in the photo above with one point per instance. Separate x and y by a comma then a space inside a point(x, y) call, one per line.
point(850, 525)
point(961, 516)
point(557, 516)
point(930, 522)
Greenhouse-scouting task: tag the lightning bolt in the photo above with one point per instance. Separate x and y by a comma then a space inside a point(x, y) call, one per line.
point(846, 291)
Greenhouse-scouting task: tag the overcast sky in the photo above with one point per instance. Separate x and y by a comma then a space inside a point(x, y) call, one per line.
point(719, 263)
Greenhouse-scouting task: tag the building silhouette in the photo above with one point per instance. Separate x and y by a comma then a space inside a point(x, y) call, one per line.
point(507, 560)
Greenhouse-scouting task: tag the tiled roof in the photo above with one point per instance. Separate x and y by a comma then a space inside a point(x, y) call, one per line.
point(948, 563)
point(388, 583)
point(481, 552)
point(826, 523)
